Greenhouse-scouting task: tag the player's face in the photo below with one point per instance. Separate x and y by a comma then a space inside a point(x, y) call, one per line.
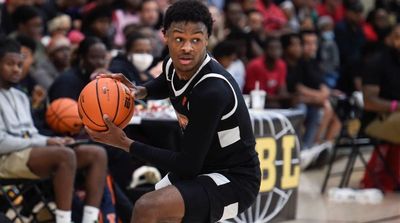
point(187, 43)
point(10, 69)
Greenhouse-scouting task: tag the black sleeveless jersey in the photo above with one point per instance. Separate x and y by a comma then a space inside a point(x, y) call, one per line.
point(216, 126)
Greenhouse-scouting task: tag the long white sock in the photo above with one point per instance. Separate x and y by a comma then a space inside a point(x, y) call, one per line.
point(63, 216)
point(90, 214)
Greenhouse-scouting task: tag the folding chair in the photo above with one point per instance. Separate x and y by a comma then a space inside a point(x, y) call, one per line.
point(351, 138)
point(354, 144)
point(20, 188)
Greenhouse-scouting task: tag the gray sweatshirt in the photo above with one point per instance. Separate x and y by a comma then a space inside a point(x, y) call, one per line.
point(17, 131)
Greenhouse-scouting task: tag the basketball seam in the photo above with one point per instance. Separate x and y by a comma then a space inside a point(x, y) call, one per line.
point(50, 117)
point(130, 109)
point(98, 100)
point(50, 109)
point(58, 119)
point(58, 106)
point(83, 109)
point(65, 123)
point(60, 113)
point(116, 111)
point(56, 116)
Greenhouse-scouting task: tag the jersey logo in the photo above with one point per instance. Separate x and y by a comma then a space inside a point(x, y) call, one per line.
point(184, 100)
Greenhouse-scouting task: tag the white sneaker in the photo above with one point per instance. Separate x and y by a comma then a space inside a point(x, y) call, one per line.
point(328, 145)
point(307, 156)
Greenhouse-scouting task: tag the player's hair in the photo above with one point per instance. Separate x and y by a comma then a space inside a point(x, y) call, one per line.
point(8, 45)
point(188, 11)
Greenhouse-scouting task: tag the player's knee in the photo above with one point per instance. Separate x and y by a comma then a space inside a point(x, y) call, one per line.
point(145, 207)
point(99, 154)
point(94, 154)
point(66, 158)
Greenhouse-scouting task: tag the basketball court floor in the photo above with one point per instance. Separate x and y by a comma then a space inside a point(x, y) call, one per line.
point(312, 207)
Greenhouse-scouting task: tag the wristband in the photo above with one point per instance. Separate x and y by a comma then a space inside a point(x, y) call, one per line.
point(393, 105)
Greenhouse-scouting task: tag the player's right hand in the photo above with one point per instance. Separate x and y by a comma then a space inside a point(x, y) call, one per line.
point(114, 136)
point(138, 92)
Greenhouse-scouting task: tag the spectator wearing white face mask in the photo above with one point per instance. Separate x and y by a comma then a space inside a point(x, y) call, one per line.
point(328, 52)
point(135, 62)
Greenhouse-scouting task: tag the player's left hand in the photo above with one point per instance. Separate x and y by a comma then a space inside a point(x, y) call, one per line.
point(114, 136)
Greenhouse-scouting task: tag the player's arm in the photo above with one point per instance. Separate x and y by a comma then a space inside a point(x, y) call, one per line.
point(207, 105)
point(154, 89)
point(157, 88)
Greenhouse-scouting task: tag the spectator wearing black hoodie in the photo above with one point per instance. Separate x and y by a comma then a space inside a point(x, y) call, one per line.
point(90, 57)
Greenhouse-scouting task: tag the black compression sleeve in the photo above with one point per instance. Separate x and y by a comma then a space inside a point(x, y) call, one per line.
point(157, 88)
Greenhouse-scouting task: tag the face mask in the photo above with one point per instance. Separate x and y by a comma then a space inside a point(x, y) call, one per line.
point(328, 35)
point(141, 61)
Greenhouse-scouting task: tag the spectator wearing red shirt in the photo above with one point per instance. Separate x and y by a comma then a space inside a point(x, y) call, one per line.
point(270, 71)
point(274, 18)
point(332, 8)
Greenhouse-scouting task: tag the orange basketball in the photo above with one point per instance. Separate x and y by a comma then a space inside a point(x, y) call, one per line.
point(62, 116)
point(105, 96)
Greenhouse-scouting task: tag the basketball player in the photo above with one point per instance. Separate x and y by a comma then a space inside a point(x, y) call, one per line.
point(215, 175)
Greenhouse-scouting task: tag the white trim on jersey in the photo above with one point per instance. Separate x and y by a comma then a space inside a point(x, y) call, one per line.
point(229, 114)
point(179, 92)
point(167, 66)
point(230, 211)
point(163, 183)
point(218, 178)
point(229, 136)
